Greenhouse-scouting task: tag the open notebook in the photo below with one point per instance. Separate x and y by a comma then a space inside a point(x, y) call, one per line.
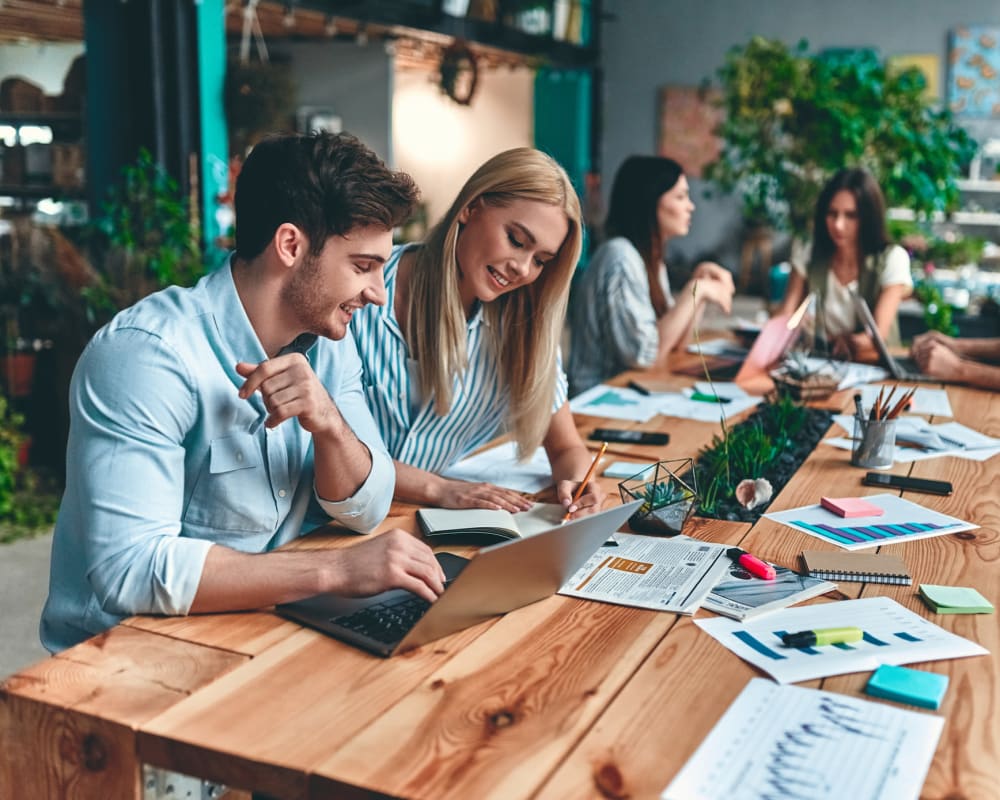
point(486, 526)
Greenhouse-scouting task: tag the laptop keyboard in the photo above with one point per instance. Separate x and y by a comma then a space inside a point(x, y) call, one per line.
point(385, 622)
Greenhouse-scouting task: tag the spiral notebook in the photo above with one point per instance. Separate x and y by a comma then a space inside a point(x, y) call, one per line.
point(862, 567)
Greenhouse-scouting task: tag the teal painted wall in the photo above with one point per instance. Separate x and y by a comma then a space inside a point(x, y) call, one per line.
point(214, 137)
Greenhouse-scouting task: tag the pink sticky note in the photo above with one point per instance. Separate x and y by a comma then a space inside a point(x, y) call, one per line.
point(851, 507)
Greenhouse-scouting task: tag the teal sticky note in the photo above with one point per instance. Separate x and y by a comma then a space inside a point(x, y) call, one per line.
point(955, 599)
point(904, 685)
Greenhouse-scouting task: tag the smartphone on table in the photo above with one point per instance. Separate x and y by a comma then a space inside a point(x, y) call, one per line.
point(629, 436)
point(905, 482)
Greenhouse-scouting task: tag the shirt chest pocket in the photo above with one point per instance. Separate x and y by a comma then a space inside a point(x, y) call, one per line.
point(232, 491)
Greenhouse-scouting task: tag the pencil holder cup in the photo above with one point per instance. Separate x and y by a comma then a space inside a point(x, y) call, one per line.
point(874, 443)
point(668, 499)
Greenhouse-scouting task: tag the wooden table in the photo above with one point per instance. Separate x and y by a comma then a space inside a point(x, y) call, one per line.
point(561, 699)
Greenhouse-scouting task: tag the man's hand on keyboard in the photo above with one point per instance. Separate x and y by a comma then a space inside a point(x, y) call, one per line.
point(392, 560)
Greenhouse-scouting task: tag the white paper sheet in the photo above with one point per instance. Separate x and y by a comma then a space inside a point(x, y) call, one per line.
point(651, 572)
point(954, 439)
point(850, 373)
point(499, 466)
point(892, 635)
point(677, 405)
point(616, 402)
point(804, 744)
point(910, 521)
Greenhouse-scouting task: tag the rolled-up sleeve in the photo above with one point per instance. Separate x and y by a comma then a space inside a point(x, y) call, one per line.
point(367, 507)
point(132, 402)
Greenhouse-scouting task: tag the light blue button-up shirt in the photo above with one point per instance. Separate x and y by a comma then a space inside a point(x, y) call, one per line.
point(165, 460)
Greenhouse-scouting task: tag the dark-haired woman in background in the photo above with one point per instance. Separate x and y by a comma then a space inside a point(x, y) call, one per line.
point(849, 252)
point(623, 313)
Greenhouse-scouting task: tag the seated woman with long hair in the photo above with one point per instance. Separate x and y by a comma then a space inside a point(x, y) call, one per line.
point(850, 252)
point(624, 314)
point(467, 344)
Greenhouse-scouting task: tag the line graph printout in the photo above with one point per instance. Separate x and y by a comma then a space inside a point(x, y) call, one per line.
point(792, 743)
point(901, 520)
point(892, 635)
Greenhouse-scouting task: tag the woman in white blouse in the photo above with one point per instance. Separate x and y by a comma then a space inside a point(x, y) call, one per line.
point(849, 252)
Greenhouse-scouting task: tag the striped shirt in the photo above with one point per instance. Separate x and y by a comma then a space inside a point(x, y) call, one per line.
point(413, 431)
point(612, 318)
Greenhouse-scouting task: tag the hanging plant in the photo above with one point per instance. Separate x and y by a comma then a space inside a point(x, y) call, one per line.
point(459, 73)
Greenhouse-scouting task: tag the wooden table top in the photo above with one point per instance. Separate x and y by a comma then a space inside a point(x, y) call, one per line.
point(561, 699)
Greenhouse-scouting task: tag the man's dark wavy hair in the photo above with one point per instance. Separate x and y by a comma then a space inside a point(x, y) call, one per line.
point(327, 184)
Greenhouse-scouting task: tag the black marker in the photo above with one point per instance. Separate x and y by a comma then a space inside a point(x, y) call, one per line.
point(638, 387)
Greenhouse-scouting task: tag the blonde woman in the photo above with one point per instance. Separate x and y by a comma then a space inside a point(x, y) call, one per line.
point(466, 346)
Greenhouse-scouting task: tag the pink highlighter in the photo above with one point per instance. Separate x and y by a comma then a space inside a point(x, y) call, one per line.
point(752, 564)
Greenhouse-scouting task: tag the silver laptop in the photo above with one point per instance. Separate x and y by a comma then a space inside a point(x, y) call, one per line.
point(902, 369)
point(497, 580)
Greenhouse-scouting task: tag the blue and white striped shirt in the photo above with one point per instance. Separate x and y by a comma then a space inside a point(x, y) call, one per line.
point(413, 431)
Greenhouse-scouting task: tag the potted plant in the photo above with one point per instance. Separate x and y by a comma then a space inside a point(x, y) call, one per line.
point(793, 118)
point(668, 499)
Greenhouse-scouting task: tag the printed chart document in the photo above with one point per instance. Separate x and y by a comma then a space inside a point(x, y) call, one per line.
point(902, 520)
point(651, 572)
point(499, 466)
point(616, 402)
point(805, 744)
point(892, 634)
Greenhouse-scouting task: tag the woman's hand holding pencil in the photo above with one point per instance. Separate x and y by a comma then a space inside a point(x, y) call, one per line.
point(586, 491)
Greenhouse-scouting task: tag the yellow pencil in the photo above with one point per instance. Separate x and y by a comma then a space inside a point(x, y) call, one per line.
point(586, 478)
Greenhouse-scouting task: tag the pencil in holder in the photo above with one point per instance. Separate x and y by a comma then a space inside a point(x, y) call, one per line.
point(874, 443)
point(669, 493)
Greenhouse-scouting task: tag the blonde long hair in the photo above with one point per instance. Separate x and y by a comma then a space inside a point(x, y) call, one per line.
point(523, 326)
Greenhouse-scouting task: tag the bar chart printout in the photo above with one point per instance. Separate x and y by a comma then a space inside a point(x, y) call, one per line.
point(901, 520)
point(891, 634)
point(792, 743)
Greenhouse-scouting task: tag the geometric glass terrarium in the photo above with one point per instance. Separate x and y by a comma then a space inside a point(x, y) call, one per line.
point(668, 501)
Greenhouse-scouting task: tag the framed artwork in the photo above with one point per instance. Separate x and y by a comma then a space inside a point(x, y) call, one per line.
point(689, 118)
point(973, 70)
point(929, 65)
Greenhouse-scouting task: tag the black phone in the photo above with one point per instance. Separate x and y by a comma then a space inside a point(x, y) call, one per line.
point(628, 436)
point(905, 482)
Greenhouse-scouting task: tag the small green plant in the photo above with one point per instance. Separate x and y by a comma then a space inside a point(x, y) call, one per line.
point(25, 509)
point(658, 495)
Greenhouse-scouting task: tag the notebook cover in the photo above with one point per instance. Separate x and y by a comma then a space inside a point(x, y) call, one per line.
point(904, 685)
point(856, 566)
point(851, 507)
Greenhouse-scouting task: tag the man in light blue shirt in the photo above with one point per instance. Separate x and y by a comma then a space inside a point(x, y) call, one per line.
point(211, 425)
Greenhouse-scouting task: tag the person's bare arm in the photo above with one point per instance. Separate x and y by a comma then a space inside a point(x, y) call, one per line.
point(235, 581)
point(936, 359)
point(570, 460)
point(418, 486)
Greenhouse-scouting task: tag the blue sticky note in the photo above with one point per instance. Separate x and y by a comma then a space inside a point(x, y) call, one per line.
point(904, 685)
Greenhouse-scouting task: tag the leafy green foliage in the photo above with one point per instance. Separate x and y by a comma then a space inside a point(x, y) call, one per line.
point(797, 118)
point(937, 313)
point(661, 493)
point(24, 508)
point(747, 450)
point(145, 240)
